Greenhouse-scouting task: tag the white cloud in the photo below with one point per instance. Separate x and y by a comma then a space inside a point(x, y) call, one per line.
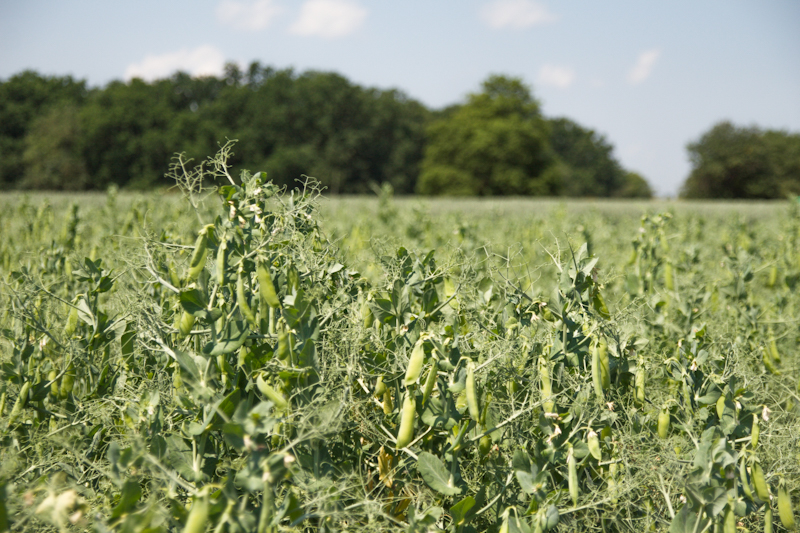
point(251, 16)
point(329, 18)
point(644, 66)
point(561, 77)
point(204, 60)
point(516, 14)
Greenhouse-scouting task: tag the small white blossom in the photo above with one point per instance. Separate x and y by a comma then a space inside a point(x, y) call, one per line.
point(555, 434)
point(765, 413)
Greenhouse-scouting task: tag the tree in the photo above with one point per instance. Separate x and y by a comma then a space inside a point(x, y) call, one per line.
point(743, 162)
point(52, 152)
point(588, 166)
point(23, 98)
point(495, 144)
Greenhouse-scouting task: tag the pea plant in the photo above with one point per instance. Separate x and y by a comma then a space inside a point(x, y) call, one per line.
point(231, 372)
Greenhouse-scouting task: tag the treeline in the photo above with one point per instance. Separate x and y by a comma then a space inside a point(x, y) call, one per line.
point(743, 162)
point(58, 133)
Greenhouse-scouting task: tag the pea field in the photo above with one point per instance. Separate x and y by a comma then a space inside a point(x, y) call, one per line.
point(230, 356)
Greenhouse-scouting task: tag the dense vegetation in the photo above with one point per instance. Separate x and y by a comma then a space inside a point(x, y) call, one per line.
point(743, 162)
point(59, 134)
point(233, 360)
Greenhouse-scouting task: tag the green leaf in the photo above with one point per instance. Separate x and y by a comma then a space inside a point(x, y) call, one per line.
point(187, 363)
point(232, 337)
point(130, 494)
point(194, 302)
point(435, 474)
point(460, 511)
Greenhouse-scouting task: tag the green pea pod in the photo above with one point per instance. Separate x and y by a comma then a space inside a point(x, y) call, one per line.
point(641, 378)
point(266, 287)
point(415, 363)
point(284, 346)
point(186, 323)
point(484, 446)
point(197, 521)
point(594, 445)
point(597, 378)
point(198, 261)
point(430, 381)
point(773, 350)
point(54, 385)
point(173, 275)
point(663, 424)
point(767, 518)
point(19, 405)
point(177, 380)
point(241, 298)
point(744, 480)
point(669, 282)
point(785, 506)
point(762, 491)
point(72, 321)
point(366, 315)
point(380, 387)
point(755, 431)
point(612, 482)
point(272, 395)
point(773, 276)
point(572, 478)
point(388, 405)
point(729, 521)
point(720, 406)
point(222, 252)
point(405, 433)
point(605, 369)
point(472, 393)
point(766, 358)
point(67, 382)
point(547, 388)
point(2, 403)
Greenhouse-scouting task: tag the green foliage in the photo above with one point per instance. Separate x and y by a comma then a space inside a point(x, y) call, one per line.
point(495, 144)
point(589, 168)
point(739, 162)
point(23, 98)
point(219, 364)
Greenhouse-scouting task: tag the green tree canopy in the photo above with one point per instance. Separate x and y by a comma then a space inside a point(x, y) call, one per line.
point(495, 144)
point(587, 164)
point(743, 162)
point(23, 98)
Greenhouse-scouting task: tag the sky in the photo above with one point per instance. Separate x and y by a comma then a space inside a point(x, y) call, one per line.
point(649, 76)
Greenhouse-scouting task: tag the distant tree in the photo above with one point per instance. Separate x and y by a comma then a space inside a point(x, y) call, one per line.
point(52, 154)
point(635, 186)
point(743, 162)
point(495, 144)
point(588, 166)
point(23, 98)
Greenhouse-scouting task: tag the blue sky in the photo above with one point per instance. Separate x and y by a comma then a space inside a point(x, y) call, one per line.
point(651, 76)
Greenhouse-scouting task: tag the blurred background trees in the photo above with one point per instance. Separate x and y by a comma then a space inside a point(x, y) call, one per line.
point(743, 162)
point(57, 133)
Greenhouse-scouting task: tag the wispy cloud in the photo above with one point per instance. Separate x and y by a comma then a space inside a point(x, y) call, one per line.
point(251, 16)
point(516, 14)
point(644, 66)
point(201, 61)
point(329, 18)
point(556, 76)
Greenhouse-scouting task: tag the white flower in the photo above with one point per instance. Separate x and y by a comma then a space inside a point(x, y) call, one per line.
point(555, 434)
point(765, 413)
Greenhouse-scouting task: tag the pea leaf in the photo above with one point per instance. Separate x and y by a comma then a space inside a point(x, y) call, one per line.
point(231, 339)
point(435, 474)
